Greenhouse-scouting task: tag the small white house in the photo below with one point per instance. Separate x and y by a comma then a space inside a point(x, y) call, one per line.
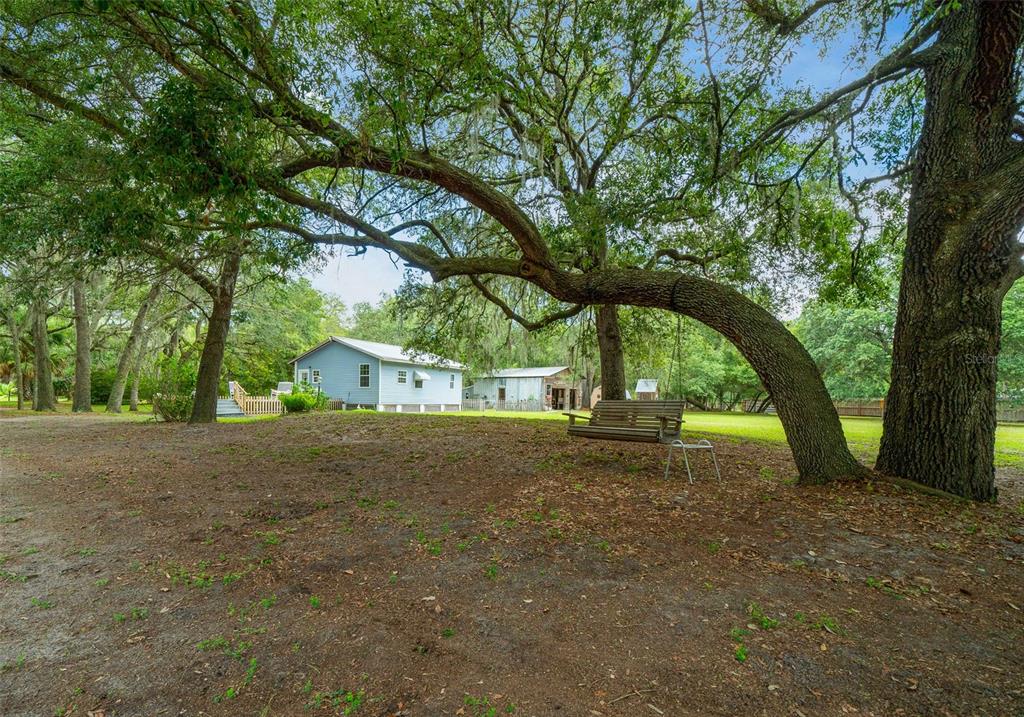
point(547, 386)
point(369, 374)
point(647, 389)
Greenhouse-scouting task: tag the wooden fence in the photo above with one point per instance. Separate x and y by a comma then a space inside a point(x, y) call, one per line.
point(260, 406)
point(1005, 412)
point(1010, 413)
point(860, 408)
point(479, 404)
point(254, 405)
point(270, 405)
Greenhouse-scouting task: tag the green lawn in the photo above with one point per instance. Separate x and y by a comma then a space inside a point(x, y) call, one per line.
point(862, 434)
point(64, 406)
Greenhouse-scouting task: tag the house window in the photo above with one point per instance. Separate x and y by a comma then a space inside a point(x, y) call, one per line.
point(364, 375)
point(418, 383)
point(316, 375)
point(403, 376)
point(547, 389)
point(501, 382)
point(451, 380)
point(304, 375)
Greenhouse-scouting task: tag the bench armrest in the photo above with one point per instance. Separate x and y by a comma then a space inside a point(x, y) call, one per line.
point(670, 423)
point(574, 416)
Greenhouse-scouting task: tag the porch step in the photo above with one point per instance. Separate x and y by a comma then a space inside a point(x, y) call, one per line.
point(228, 408)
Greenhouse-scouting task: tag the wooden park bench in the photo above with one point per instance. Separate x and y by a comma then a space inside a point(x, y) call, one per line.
point(640, 421)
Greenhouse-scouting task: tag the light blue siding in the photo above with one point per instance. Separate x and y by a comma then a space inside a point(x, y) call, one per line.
point(516, 389)
point(339, 372)
point(437, 390)
point(339, 364)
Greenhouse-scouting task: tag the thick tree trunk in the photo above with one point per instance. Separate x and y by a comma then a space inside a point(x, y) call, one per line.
point(204, 408)
point(131, 347)
point(962, 254)
point(82, 399)
point(609, 341)
point(19, 374)
point(43, 398)
point(940, 415)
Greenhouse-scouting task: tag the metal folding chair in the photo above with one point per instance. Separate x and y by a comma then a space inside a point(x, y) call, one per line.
point(702, 445)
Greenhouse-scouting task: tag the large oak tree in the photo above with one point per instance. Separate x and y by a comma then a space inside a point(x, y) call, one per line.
point(606, 154)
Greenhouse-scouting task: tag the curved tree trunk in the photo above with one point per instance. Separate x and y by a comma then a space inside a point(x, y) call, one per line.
point(609, 341)
point(962, 254)
point(785, 368)
point(82, 399)
point(791, 377)
point(124, 362)
point(204, 408)
point(43, 398)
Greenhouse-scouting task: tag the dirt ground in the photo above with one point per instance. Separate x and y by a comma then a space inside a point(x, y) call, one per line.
point(430, 565)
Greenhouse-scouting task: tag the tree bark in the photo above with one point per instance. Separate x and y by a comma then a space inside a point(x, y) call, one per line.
point(82, 399)
point(43, 398)
point(609, 341)
point(204, 408)
point(133, 396)
point(131, 346)
point(19, 374)
point(962, 254)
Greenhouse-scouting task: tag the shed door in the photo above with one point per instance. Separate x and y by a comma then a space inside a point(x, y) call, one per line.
point(501, 393)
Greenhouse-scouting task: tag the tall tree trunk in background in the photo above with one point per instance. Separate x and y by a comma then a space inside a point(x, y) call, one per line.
point(19, 374)
point(587, 383)
point(131, 347)
point(43, 398)
point(82, 399)
point(133, 396)
point(609, 341)
point(204, 409)
point(171, 347)
point(962, 255)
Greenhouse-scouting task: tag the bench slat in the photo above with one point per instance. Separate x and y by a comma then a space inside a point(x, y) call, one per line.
point(633, 421)
point(623, 434)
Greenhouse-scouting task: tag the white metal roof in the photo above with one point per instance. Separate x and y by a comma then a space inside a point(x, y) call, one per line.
point(535, 372)
point(386, 352)
point(647, 385)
